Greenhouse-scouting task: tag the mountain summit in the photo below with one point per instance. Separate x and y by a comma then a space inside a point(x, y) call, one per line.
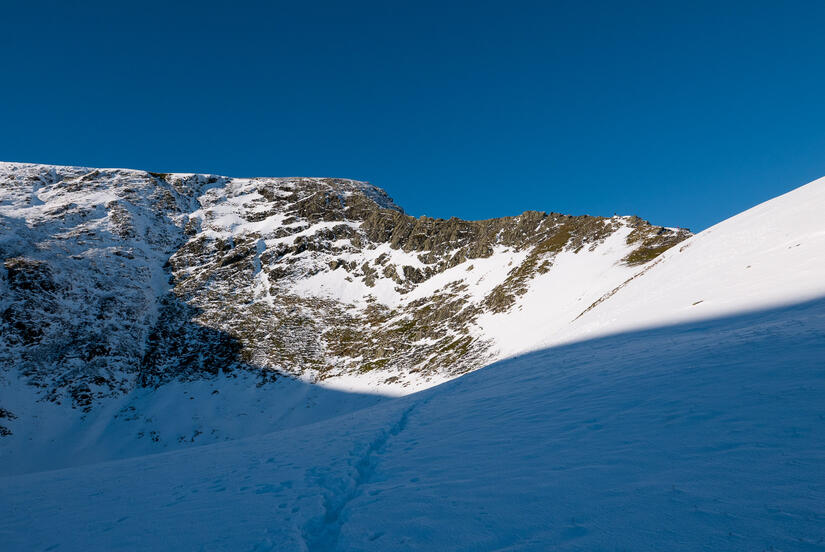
point(147, 277)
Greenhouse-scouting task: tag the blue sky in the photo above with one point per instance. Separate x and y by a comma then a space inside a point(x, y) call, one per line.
point(682, 113)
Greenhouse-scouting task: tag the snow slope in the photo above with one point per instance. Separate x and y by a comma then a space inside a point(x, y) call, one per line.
point(705, 434)
point(770, 255)
point(153, 420)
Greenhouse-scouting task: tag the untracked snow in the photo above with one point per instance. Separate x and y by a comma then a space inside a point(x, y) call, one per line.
point(768, 256)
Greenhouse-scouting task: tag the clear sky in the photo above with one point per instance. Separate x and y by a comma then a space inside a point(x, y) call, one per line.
point(682, 113)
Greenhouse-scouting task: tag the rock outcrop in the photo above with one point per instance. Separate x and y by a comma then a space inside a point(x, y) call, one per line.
point(115, 279)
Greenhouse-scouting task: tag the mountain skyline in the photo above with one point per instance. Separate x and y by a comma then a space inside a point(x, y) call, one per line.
point(682, 113)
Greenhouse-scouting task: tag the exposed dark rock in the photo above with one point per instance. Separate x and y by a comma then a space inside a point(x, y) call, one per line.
point(173, 277)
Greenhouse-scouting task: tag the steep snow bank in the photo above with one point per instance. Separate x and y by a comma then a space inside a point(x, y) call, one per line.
point(770, 255)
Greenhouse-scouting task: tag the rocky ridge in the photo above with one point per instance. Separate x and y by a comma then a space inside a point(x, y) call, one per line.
point(114, 279)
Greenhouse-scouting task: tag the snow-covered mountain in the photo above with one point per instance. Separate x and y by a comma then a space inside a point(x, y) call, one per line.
point(678, 405)
point(145, 311)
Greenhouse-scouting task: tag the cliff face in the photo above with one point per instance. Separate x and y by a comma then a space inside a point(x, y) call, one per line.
point(117, 279)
